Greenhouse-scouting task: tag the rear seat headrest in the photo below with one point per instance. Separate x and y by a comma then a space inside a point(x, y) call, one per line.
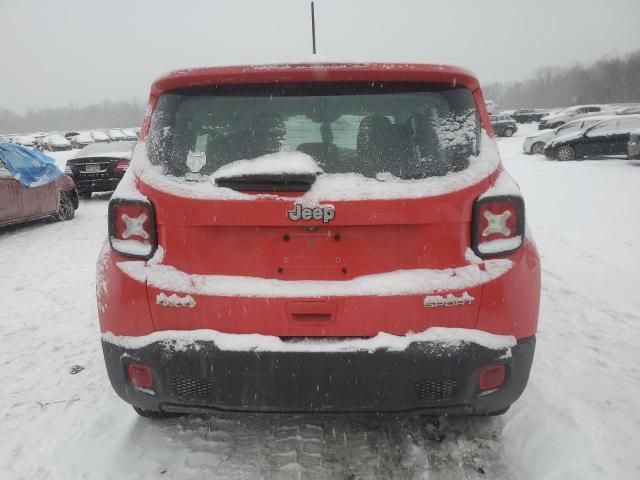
point(268, 133)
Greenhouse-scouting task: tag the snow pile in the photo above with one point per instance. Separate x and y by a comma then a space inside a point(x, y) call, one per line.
point(447, 338)
point(400, 282)
point(270, 164)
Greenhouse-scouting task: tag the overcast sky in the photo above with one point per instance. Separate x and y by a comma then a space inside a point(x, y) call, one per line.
point(86, 51)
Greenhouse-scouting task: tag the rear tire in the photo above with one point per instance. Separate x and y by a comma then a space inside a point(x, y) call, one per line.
point(566, 153)
point(508, 132)
point(66, 209)
point(155, 414)
point(537, 148)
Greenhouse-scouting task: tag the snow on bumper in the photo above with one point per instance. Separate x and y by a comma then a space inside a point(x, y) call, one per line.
point(445, 337)
point(401, 282)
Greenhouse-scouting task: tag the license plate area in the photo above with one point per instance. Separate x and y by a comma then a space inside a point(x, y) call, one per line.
point(92, 167)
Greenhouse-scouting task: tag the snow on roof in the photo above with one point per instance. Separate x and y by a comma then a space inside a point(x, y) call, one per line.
point(112, 149)
point(315, 68)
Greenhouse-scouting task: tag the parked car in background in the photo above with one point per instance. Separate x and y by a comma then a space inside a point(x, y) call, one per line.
point(630, 110)
point(259, 198)
point(55, 143)
point(26, 141)
point(99, 136)
point(492, 107)
point(503, 125)
point(52, 194)
point(633, 148)
point(99, 167)
point(82, 140)
point(573, 113)
point(129, 134)
point(116, 135)
point(535, 144)
point(528, 115)
point(70, 135)
point(610, 137)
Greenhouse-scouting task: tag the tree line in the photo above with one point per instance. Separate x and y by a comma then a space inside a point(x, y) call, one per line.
point(609, 80)
point(103, 115)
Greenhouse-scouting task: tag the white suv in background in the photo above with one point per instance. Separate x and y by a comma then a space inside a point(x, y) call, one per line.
point(573, 113)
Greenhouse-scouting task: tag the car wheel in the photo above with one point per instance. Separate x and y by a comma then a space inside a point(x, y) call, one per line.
point(85, 194)
point(508, 132)
point(66, 210)
point(566, 153)
point(155, 414)
point(537, 148)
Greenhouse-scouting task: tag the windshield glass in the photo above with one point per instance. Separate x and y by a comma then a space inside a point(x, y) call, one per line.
point(408, 130)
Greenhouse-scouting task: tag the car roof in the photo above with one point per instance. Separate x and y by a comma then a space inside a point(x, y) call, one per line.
point(112, 149)
point(314, 72)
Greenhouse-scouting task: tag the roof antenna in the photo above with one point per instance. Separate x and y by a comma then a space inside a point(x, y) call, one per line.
point(313, 28)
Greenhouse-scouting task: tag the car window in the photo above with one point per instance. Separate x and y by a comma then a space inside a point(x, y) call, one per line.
point(410, 131)
point(568, 128)
point(604, 128)
point(625, 125)
point(594, 109)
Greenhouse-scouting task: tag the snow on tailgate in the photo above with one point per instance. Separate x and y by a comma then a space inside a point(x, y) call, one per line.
point(181, 340)
point(400, 282)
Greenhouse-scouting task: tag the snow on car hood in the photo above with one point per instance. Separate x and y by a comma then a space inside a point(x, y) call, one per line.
point(327, 187)
point(566, 138)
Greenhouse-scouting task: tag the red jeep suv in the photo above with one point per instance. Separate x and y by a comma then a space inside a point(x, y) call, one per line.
point(318, 238)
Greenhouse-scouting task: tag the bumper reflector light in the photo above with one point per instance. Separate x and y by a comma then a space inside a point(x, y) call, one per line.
point(140, 376)
point(492, 378)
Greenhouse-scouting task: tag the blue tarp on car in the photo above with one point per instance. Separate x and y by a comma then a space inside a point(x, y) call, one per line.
point(30, 167)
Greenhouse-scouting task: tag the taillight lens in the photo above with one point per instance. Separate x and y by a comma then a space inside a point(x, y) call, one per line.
point(132, 228)
point(497, 227)
point(122, 166)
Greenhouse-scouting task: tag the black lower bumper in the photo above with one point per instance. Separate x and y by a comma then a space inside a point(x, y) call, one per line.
point(426, 378)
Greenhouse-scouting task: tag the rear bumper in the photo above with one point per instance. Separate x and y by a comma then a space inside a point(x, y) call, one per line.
point(427, 377)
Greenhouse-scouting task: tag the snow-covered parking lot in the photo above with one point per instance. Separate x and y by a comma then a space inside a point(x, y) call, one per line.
point(578, 419)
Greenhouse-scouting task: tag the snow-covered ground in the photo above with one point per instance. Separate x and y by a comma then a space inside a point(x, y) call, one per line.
point(578, 419)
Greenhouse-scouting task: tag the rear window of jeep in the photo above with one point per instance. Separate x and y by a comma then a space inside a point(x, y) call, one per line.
point(411, 131)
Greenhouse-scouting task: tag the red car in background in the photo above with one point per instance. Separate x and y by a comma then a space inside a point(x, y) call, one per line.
point(318, 238)
point(19, 203)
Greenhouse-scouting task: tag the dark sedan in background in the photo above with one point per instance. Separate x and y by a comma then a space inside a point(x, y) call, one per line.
point(529, 115)
point(503, 125)
point(99, 167)
point(610, 137)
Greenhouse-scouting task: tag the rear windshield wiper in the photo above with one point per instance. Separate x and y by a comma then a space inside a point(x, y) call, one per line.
point(270, 182)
